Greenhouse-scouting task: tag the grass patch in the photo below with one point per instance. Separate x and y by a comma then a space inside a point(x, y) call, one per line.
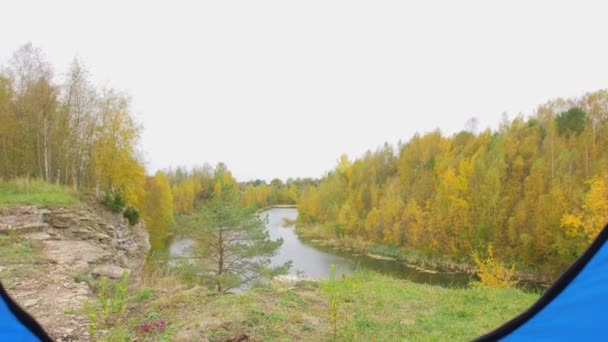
point(17, 250)
point(19, 259)
point(371, 306)
point(363, 307)
point(30, 191)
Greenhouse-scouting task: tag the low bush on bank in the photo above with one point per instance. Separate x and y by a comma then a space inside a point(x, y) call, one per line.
point(115, 201)
point(493, 273)
point(132, 215)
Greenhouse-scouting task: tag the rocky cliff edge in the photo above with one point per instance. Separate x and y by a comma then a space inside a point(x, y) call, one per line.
point(45, 252)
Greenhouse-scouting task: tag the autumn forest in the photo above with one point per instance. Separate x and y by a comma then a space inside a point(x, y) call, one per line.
point(535, 188)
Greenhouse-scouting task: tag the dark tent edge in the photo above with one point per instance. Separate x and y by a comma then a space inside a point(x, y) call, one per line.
point(562, 282)
point(28, 321)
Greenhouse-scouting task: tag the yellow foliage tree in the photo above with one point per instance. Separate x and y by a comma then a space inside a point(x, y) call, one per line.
point(115, 163)
point(391, 212)
point(309, 205)
point(372, 223)
point(225, 186)
point(157, 210)
point(535, 188)
point(595, 207)
point(493, 273)
point(248, 197)
point(415, 223)
point(594, 214)
point(348, 220)
point(184, 195)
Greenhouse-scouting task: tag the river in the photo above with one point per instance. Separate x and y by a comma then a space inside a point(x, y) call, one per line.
point(311, 260)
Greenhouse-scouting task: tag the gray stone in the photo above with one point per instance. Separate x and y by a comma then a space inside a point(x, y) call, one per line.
point(39, 236)
point(110, 271)
point(77, 254)
point(74, 240)
point(28, 303)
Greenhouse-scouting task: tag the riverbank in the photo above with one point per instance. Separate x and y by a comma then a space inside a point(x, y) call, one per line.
point(363, 307)
point(423, 262)
point(157, 307)
point(161, 305)
point(277, 206)
point(314, 260)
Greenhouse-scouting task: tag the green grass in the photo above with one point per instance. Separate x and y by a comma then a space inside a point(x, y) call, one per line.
point(29, 191)
point(16, 250)
point(385, 250)
point(386, 309)
point(368, 307)
point(19, 259)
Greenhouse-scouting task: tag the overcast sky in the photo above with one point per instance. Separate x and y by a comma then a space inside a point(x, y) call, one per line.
point(283, 88)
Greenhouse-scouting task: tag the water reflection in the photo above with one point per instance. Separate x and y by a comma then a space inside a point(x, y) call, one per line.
point(315, 261)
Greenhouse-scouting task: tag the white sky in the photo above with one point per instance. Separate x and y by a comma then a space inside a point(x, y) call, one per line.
point(283, 88)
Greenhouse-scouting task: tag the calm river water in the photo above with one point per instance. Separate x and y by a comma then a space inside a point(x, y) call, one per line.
point(315, 261)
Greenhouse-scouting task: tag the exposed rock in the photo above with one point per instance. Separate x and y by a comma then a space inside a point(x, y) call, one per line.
point(73, 240)
point(110, 271)
point(31, 302)
point(72, 234)
point(77, 255)
point(23, 220)
point(40, 236)
point(20, 217)
point(62, 218)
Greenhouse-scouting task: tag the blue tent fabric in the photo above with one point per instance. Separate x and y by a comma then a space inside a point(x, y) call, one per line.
point(15, 324)
point(574, 308)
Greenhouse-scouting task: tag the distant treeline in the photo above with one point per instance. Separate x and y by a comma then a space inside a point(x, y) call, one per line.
point(536, 189)
point(191, 188)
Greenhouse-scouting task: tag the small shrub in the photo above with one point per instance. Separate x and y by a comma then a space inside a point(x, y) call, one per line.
point(132, 215)
point(92, 326)
point(85, 277)
point(143, 294)
point(112, 297)
point(493, 273)
point(115, 201)
point(338, 232)
point(339, 292)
